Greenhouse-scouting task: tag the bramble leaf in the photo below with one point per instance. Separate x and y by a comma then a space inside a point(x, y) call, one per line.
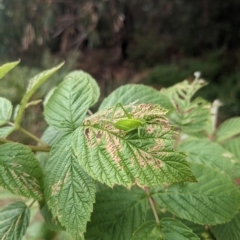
point(69, 191)
point(167, 229)
point(113, 156)
point(14, 220)
point(228, 129)
point(92, 81)
point(51, 221)
point(232, 145)
point(221, 160)
point(20, 171)
point(5, 110)
point(213, 200)
point(229, 230)
point(4, 69)
point(190, 115)
point(6, 130)
point(135, 92)
point(67, 106)
point(118, 212)
point(33, 85)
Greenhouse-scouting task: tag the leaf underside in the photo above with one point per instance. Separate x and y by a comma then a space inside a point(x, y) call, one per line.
point(112, 156)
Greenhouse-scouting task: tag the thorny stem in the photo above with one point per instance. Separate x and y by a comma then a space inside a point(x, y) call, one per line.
point(152, 205)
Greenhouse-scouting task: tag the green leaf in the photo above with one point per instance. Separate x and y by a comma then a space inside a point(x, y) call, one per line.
point(118, 212)
point(228, 129)
point(221, 160)
point(201, 231)
point(132, 92)
point(67, 106)
point(4, 69)
point(213, 200)
point(51, 221)
point(190, 115)
point(51, 136)
point(167, 229)
point(20, 171)
point(33, 85)
point(113, 156)
point(14, 220)
point(69, 191)
point(232, 145)
point(5, 110)
point(91, 80)
point(6, 130)
point(229, 230)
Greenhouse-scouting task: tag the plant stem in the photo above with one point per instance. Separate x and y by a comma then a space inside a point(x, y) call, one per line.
point(32, 203)
point(32, 136)
point(152, 205)
point(3, 140)
point(34, 148)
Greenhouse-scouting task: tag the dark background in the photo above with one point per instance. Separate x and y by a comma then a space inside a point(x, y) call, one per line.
point(156, 42)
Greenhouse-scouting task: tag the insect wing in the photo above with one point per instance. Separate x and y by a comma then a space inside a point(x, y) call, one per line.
point(128, 124)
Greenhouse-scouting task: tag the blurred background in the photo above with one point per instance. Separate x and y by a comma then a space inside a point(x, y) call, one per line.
point(155, 42)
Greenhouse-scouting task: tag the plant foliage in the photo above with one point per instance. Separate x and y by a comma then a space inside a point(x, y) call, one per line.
point(166, 177)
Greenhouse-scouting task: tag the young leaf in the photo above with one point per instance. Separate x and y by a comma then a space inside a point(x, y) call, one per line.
point(69, 191)
point(5, 110)
point(113, 156)
point(4, 69)
point(92, 81)
point(135, 92)
point(118, 212)
point(228, 129)
point(229, 230)
point(33, 85)
point(20, 171)
point(67, 106)
point(213, 200)
point(5, 131)
point(189, 115)
point(221, 160)
point(232, 145)
point(14, 220)
point(167, 229)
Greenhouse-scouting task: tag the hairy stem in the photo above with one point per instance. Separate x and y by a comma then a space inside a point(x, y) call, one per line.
point(33, 148)
point(32, 136)
point(32, 203)
point(152, 205)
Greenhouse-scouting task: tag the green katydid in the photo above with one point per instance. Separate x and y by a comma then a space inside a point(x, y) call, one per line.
point(128, 124)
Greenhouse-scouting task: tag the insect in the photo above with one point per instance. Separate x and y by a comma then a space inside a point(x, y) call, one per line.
point(128, 124)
